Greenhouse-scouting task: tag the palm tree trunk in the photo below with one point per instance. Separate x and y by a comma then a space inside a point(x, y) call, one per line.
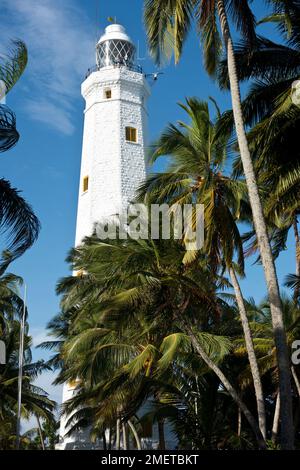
point(109, 438)
point(297, 383)
point(118, 434)
point(297, 239)
point(296, 380)
point(124, 434)
point(227, 385)
point(261, 411)
point(40, 432)
point(287, 434)
point(104, 440)
point(239, 430)
point(135, 435)
point(275, 426)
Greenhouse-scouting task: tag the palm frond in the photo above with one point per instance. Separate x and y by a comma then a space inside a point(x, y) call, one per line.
point(13, 65)
point(18, 223)
point(9, 135)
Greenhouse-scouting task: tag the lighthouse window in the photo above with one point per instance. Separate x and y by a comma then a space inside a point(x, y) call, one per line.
point(73, 384)
point(85, 184)
point(107, 94)
point(131, 134)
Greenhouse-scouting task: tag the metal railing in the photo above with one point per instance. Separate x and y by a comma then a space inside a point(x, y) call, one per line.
point(132, 67)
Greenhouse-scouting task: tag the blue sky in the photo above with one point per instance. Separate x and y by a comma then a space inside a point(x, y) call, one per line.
point(45, 164)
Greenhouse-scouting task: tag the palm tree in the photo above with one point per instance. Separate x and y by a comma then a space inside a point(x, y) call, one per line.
point(11, 305)
point(264, 344)
point(17, 219)
point(293, 282)
point(133, 278)
point(202, 415)
point(168, 22)
point(18, 223)
point(273, 67)
point(197, 156)
point(9, 135)
point(12, 67)
point(34, 400)
point(8, 437)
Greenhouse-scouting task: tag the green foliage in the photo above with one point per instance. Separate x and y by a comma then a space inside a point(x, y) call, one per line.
point(12, 66)
point(169, 22)
point(196, 173)
point(122, 329)
point(18, 223)
point(35, 401)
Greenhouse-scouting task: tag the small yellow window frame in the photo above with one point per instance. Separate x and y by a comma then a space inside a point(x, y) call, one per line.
point(131, 134)
point(72, 384)
point(107, 93)
point(85, 184)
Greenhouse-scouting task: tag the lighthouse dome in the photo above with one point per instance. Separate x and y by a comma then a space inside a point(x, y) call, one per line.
point(115, 47)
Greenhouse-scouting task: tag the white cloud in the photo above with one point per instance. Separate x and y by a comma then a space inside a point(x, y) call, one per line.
point(60, 41)
point(39, 334)
point(50, 113)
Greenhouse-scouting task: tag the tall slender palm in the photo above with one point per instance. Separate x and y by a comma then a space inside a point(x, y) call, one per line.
point(167, 21)
point(273, 67)
point(264, 340)
point(197, 156)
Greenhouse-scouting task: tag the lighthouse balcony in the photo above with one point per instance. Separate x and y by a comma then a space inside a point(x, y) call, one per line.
point(132, 67)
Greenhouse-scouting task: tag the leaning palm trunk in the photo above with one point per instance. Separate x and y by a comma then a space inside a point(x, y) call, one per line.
point(275, 426)
point(135, 435)
point(227, 385)
point(239, 430)
point(124, 434)
point(118, 434)
point(287, 435)
point(40, 432)
point(296, 380)
point(261, 411)
point(297, 383)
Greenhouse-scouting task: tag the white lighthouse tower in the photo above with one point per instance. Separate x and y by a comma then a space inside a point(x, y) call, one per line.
point(113, 150)
point(113, 153)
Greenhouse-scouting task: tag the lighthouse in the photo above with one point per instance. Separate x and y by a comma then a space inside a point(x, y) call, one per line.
point(114, 135)
point(113, 151)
